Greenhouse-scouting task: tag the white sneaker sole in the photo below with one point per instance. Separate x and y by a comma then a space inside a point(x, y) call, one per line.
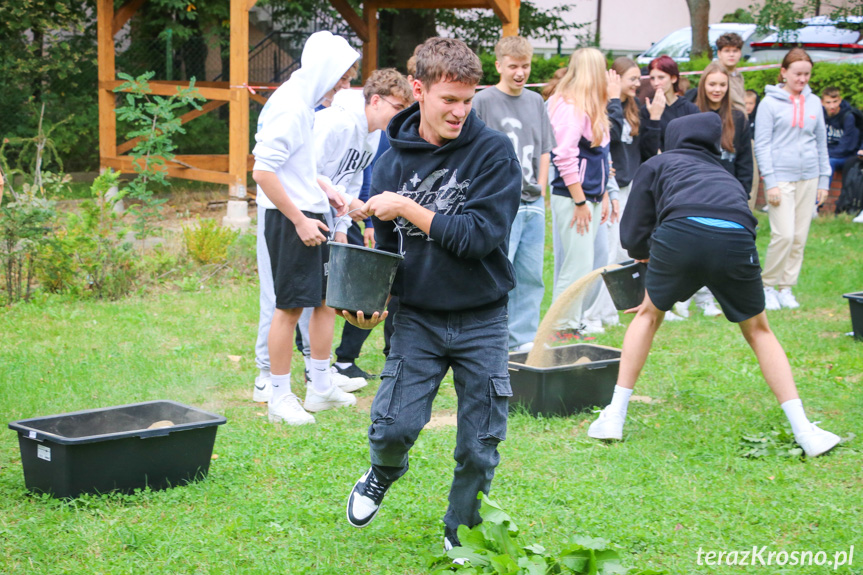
point(353, 384)
point(278, 419)
point(325, 405)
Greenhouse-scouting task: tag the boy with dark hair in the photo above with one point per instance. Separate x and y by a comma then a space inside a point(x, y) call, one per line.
point(294, 230)
point(843, 136)
point(688, 219)
point(729, 49)
point(455, 193)
point(521, 114)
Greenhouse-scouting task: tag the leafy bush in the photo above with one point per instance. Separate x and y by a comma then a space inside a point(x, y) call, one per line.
point(208, 242)
point(493, 547)
point(86, 256)
point(24, 222)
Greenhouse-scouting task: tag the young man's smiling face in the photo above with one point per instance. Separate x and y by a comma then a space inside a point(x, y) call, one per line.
point(443, 109)
point(514, 73)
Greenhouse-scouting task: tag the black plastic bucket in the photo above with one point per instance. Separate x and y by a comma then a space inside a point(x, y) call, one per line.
point(360, 278)
point(626, 284)
point(855, 303)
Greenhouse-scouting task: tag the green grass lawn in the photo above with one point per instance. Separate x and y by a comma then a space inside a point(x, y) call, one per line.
point(274, 499)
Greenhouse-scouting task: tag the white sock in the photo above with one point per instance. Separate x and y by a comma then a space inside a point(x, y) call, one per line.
point(319, 375)
point(793, 409)
point(620, 400)
point(265, 373)
point(281, 386)
point(343, 364)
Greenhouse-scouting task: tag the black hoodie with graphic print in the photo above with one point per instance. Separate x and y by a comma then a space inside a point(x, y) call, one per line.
point(686, 180)
point(473, 184)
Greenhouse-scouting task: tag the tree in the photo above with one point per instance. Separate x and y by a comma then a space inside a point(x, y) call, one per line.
point(699, 18)
point(784, 15)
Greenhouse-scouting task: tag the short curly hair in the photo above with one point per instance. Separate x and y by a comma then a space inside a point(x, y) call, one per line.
point(447, 59)
point(729, 40)
point(387, 82)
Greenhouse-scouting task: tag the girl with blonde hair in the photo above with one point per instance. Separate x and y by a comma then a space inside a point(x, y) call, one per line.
point(577, 110)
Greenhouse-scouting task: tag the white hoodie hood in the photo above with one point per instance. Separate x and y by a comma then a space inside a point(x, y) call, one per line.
point(284, 138)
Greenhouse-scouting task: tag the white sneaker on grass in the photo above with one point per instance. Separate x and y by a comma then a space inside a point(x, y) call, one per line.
point(593, 326)
point(346, 383)
point(330, 399)
point(681, 308)
point(816, 441)
point(365, 498)
point(671, 316)
point(771, 299)
point(263, 389)
point(710, 309)
point(287, 409)
point(609, 425)
point(859, 218)
point(787, 299)
point(447, 545)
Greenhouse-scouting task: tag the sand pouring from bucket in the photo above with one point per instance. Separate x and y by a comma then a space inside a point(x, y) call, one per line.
point(360, 278)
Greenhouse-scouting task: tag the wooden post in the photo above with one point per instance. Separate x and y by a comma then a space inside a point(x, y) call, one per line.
point(107, 73)
point(370, 47)
point(511, 27)
point(238, 139)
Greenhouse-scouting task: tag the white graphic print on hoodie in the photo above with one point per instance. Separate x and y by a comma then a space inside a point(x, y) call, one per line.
point(343, 145)
point(285, 138)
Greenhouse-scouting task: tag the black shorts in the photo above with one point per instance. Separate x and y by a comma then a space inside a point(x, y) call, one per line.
point(686, 255)
point(299, 271)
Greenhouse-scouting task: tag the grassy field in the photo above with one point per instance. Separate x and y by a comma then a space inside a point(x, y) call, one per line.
point(274, 499)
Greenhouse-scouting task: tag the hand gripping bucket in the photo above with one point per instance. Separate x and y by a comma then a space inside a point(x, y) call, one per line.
point(626, 284)
point(360, 278)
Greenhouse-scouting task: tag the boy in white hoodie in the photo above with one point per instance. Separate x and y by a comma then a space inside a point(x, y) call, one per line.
point(296, 203)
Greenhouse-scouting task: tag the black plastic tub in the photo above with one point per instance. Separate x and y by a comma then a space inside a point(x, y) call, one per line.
point(855, 302)
point(101, 450)
point(567, 387)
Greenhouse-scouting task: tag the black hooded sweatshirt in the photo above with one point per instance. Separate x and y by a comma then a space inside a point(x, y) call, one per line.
point(686, 180)
point(473, 184)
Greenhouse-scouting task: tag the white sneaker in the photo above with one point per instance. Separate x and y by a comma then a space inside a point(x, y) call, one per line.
point(346, 383)
point(709, 308)
point(607, 426)
point(527, 346)
point(816, 441)
point(771, 299)
point(263, 389)
point(681, 308)
point(671, 316)
point(330, 399)
point(787, 299)
point(447, 545)
point(593, 326)
point(287, 409)
point(859, 218)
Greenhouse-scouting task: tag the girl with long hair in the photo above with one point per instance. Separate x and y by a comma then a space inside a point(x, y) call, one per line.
point(578, 199)
point(791, 149)
point(665, 106)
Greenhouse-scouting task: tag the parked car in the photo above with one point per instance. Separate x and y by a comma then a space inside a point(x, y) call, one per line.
point(678, 44)
point(821, 37)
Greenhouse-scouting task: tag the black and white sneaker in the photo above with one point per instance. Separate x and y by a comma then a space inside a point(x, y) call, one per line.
point(365, 498)
point(353, 370)
point(450, 540)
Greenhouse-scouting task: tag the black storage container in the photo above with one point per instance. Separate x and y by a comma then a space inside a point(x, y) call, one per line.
point(108, 449)
point(567, 387)
point(855, 302)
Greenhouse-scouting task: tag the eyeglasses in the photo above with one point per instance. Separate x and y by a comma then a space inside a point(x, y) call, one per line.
point(398, 107)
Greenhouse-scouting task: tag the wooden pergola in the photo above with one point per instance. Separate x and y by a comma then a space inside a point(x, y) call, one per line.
point(232, 169)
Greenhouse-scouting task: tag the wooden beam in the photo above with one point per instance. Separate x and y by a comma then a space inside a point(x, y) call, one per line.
point(258, 98)
point(511, 28)
point(187, 117)
point(107, 73)
point(501, 10)
point(370, 46)
point(352, 18)
point(125, 12)
point(165, 89)
point(126, 165)
point(251, 4)
point(431, 4)
point(238, 123)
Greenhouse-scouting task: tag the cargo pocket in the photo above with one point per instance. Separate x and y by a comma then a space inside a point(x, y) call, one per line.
point(499, 392)
point(385, 406)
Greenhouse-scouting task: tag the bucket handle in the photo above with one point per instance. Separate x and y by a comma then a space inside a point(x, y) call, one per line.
point(398, 229)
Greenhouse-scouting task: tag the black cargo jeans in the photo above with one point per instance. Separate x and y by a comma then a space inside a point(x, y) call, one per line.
point(424, 346)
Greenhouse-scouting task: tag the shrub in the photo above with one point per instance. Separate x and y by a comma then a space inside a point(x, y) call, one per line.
point(208, 242)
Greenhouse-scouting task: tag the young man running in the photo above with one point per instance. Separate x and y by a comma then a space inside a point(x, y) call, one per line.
point(689, 219)
point(521, 115)
point(451, 186)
